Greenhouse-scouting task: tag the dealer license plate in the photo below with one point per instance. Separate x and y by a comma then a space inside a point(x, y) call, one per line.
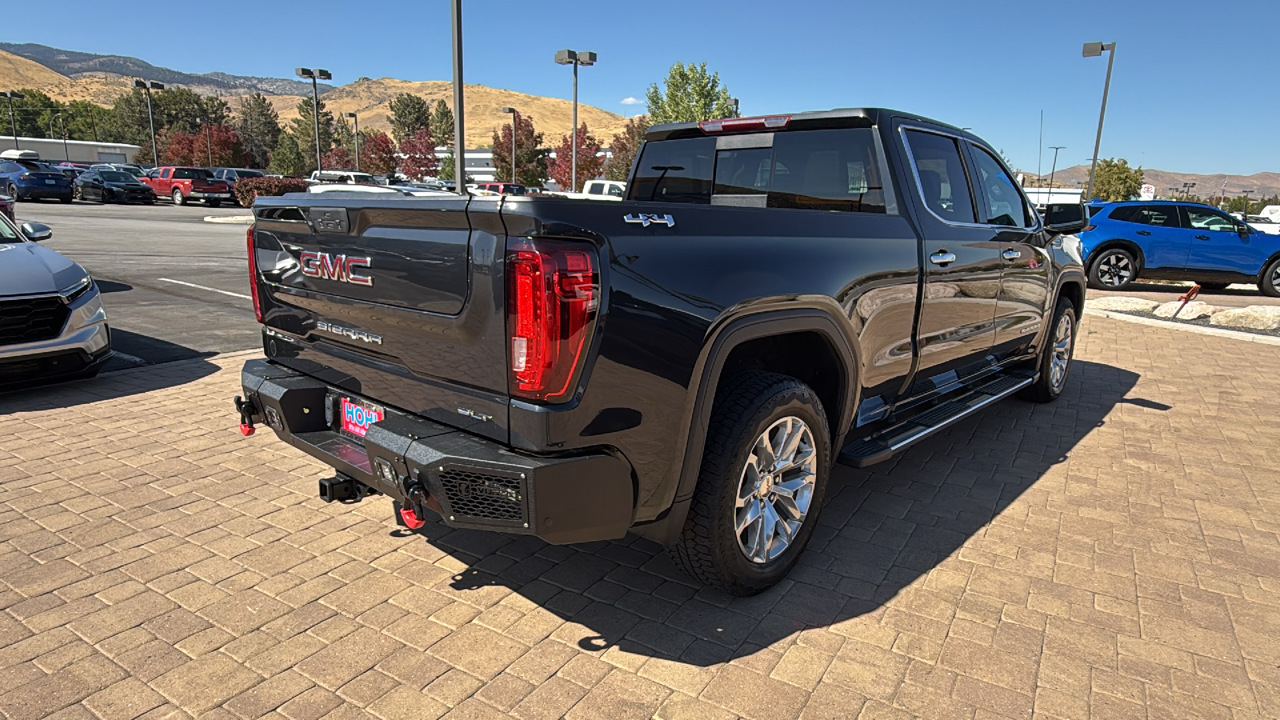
point(356, 417)
point(50, 182)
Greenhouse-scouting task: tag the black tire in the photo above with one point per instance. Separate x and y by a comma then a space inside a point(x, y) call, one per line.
point(1213, 285)
point(1049, 386)
point(65, 200)
point(12, 192)
point(1269, 283)
point(1107, 271)
point(746, 407)
point(213, 203)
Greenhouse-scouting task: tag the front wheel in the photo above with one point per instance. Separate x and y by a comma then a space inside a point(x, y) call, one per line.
point(1054, 365)
point(1270, 283)
point(763, 477)
point(1114, 269)
point(178, 199)
point(13, 192)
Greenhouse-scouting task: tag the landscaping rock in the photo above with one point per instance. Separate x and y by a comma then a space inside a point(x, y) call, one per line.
point(1254, 317)
point(1123, 303)
point(1193, 310)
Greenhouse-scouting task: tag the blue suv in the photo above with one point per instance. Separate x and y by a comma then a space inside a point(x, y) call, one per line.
point(1166, 240)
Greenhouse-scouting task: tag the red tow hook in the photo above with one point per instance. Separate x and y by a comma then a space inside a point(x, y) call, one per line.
point(246, 409)
point(1187, 297)
point(411, 519)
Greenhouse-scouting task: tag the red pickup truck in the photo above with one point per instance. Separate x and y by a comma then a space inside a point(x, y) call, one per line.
point(188, 183)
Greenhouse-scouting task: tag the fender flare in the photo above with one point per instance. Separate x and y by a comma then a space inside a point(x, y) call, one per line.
point(1138, 253)
point(819, 317)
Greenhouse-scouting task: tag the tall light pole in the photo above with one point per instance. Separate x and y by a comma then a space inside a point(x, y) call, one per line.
point(66, 153)
point(147, 87)
point(459, 123)
point(356, 119)
point(13, 123)
point(1094, 50)
point(575, 58)
point(208, 139)
point(514, 115)
point(1055, 149)
point(314, 76)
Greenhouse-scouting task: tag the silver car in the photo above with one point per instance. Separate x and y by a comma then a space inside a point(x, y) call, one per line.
point(52, 323)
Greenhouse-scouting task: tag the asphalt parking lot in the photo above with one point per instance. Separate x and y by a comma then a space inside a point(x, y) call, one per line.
point(175, 287)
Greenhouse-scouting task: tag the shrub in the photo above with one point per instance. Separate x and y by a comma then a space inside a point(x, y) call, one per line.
point(250, 188)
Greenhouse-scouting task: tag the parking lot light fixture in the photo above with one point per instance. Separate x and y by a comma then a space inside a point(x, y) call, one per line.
point(513, 114)
point(146, 88)
point(356, 134)
point(208, 140)
point(1095, 49)
point(314, 76)
point(575, 58)
point(1055, 149)
point(13, 123)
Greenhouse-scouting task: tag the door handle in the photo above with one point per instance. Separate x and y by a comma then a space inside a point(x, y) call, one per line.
point(1010, 255)
point(1202, 237)
point(942, 257)
point(1144, 232)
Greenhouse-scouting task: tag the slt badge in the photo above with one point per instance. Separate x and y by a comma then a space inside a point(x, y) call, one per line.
point(646, 219)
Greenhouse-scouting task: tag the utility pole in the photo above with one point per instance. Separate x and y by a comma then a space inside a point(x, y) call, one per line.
point(1055, 150)
point(459, 125)
point(356, 119)
point(147, 87)
point(12, 122)
point(314, 76)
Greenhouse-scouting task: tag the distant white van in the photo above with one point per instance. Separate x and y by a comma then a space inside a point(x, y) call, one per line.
point(341, 176)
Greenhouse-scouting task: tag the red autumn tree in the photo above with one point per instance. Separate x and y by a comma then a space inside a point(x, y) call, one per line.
point(338, 158)
point(220, 141)
point(418, 159)
point(589, 160)
point(625, 145)
point(377, 153)
point(531, 157)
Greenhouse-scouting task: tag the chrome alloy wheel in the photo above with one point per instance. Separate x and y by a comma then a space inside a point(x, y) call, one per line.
point(1115, 270)
point(1060, 360)
point(1275, 277)
point(775, 489)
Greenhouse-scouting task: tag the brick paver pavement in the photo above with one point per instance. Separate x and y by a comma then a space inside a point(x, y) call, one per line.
point(1113, 555)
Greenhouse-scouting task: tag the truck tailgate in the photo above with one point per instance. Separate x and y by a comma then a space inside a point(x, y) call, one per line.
point(399, 302)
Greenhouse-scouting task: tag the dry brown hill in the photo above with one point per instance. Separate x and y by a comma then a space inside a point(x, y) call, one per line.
point(1263, 184)
point(17, 73)
point(371, 99)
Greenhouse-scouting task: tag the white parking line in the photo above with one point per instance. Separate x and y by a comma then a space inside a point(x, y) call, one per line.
point(202, 287)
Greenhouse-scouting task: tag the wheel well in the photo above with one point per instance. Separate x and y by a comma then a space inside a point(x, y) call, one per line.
point(805, 356)
point(1075, 293)
point(1107, 245)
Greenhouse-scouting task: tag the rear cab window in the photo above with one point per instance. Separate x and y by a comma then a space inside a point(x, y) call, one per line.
point(839, 169)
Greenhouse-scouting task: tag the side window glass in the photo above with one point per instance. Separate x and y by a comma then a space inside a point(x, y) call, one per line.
point(615, 191)
point(999, 193)
point(1206, 219)
point(594, 189)
point(1161, 215)
point(165, 173)
point(943, 185)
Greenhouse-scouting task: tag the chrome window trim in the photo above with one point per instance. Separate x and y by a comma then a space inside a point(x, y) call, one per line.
point(915, 173)
point(1026, 204)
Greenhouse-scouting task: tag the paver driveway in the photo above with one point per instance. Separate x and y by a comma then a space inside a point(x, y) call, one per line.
point(1113, 555)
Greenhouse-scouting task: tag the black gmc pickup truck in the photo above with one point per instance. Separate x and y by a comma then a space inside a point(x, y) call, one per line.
point(775, 295)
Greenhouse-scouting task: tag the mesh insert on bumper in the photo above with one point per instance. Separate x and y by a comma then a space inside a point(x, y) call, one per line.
point(475, 494)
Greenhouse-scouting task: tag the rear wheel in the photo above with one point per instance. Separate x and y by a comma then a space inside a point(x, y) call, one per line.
point(1114, 269)
point(1054, 365)
point(77, 193)
point(13, 192)
point(764, 473)
point(213, 203)
point(178, 199)
point(1270, 284)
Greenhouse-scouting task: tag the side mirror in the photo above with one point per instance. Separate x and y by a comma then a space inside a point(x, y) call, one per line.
point(36, 232)
point(1065, 218)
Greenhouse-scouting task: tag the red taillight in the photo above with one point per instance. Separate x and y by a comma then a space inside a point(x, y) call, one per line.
point(553, 293)
point(764, 122)
point(253, 274)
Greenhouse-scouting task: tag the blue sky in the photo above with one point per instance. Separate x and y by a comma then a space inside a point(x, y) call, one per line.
point(1194, 88)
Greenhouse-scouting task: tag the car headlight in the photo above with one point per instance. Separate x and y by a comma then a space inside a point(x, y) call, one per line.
point(77, 291)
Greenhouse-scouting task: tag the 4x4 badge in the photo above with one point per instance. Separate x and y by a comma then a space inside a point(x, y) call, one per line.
point(645, 219)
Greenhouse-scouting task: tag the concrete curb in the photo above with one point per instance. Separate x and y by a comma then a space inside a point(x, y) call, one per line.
point(230, 219)
point(1198, 329)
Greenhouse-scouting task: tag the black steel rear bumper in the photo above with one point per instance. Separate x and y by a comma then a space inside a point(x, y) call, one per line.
point(480, 484)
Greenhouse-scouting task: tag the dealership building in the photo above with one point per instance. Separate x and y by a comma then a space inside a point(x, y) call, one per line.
point(83, 151)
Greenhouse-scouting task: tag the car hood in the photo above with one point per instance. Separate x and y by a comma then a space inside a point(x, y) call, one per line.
point(27, 268)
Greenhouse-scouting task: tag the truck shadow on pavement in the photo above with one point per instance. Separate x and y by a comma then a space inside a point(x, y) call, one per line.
point(128, 378)
point(880, 530)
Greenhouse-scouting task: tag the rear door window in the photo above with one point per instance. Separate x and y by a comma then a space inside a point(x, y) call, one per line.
point(676, 171)
point(836, 169)
point(1159, 215)
point(165, 173)
point(943, 184)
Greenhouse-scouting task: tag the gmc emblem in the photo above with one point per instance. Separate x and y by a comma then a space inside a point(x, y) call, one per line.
point(335, 267)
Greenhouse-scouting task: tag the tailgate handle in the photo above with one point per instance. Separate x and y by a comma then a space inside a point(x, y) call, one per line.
point(328, 220)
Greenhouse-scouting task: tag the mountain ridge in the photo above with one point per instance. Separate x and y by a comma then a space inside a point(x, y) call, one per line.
point(1259, 185)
